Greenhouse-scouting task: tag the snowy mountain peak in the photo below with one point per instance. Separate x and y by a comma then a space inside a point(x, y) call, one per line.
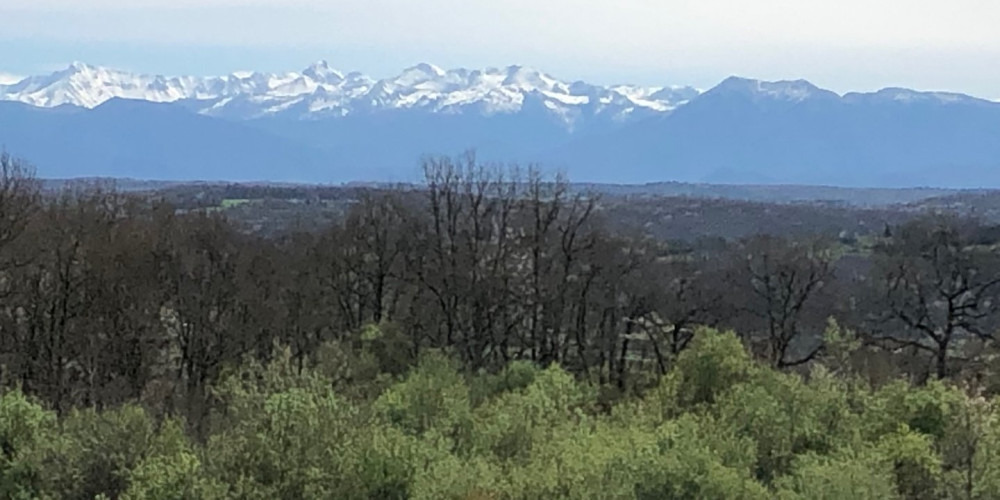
point(321, 65)
point(430, 70)
point(321, 71)
point(419, 74)
point(785, 90)
point(82, 85)
point(529, 78)
point(76, 67)
point(320, 91)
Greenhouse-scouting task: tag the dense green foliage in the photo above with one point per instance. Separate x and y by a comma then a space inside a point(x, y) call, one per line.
point(718, 425)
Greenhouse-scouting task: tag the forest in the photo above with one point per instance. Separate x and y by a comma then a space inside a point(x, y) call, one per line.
point(488, 334)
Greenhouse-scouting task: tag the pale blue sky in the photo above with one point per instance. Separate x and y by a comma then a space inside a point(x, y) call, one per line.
point(843, 45)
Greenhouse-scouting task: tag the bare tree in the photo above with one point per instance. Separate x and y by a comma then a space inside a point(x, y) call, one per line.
point(686, 292)
point(935, 291)
point(20, 195)
point(775, 283)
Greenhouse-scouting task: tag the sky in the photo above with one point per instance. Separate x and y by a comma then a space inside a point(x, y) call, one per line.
point(847, 45)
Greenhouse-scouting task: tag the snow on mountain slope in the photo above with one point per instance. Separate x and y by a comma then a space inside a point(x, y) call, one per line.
point(89, 86)
point(8, 79)
point(788, 91)
point(907, 96)
point(320, 91)
point(797, 91)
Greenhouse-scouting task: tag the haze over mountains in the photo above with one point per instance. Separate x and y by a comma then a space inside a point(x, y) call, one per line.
point(324, 125)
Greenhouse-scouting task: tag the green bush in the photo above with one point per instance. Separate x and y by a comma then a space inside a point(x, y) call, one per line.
point(850, 475)
point(95, 452)
point(712, 364)
point(24, 426)
point(717, 426)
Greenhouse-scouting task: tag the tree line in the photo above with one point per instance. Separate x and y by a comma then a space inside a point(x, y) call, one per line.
point(112, 299)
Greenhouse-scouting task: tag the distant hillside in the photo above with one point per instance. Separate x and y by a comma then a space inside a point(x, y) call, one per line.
point(751, 132)
point(778, 193)
point(143, 140)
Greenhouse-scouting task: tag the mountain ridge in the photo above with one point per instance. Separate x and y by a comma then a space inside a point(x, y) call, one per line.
point(793, 132)
point(325, 125)
point(85, 85)
point(320, 91)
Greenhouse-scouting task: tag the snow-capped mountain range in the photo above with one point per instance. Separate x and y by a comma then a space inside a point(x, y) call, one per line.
point(320, 91)
point(324, 125)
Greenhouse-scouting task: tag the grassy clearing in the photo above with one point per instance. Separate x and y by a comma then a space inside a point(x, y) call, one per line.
point(233, 202)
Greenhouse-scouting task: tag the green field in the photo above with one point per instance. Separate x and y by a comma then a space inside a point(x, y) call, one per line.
point(233, 202)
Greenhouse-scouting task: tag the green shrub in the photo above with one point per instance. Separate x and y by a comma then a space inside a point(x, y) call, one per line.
point(24, 425)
